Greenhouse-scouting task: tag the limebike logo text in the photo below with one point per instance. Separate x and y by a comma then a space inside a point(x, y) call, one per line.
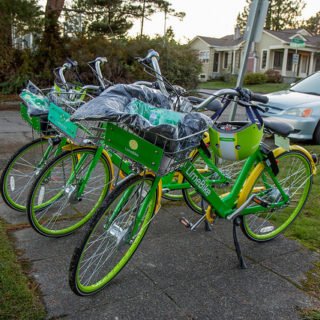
point(200, 183)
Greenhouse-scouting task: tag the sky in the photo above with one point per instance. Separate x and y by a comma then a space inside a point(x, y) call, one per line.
point(211, 18)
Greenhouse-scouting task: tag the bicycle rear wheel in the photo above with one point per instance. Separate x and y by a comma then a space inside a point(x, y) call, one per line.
point(20, 172)
point(295, 178)
point(54, 208)
point(114, 234)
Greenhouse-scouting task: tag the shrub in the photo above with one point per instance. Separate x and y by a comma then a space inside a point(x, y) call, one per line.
point(254, 78)
point(273, 76)
point(226, 77)
point(178, 62)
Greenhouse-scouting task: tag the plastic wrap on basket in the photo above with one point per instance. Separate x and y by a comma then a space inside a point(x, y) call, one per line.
point(165, 128)
point(116, 98)
point(37, 103)
point(60, 98)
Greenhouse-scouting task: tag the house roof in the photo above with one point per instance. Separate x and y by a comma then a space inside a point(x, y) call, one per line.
point(287, 35)
point(226, 41)
point(284, 35)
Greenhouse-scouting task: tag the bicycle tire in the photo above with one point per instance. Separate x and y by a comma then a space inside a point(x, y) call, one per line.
point(173, 195)
point(15, 182)
point(113, 232)
point(53, 208)
point(294, 166)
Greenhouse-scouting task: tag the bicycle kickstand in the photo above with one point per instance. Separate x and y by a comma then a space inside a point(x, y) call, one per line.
point(236, 224)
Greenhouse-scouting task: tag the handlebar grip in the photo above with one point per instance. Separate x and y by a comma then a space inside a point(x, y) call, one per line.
point(66, 66)
point(259, 98)
point(151, 53)
point(102, 59)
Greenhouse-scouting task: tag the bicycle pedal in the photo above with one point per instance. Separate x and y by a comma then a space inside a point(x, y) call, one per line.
point(186, 223)
point(261, 202)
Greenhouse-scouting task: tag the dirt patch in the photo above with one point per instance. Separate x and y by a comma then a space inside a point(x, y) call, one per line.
point(9, 105)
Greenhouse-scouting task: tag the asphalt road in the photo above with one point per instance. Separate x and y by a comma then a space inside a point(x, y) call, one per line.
point(175, 274)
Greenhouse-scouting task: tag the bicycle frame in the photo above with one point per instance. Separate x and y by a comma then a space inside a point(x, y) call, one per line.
point(225, 206)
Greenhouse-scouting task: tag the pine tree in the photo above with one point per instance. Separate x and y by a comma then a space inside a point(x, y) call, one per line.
point(281, 15)
point(20, 15)
point(313, 24)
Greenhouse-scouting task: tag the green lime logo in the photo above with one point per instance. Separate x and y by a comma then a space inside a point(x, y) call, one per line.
point(133, 144)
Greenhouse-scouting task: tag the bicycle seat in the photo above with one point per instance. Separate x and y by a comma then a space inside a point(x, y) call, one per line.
point(278, 126)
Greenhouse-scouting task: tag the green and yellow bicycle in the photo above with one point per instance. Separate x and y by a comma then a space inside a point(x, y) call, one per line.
point(267, 196)
point(25, 164)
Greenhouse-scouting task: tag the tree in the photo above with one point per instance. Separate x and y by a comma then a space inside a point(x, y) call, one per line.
point(166, 8)
point(22, 17)
point(312, 24)
point(111, 18)
point(52, 14)
point(281, 15)
point(151, 6)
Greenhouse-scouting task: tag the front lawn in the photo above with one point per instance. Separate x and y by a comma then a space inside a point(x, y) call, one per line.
point(262, 88)
point(19, 296)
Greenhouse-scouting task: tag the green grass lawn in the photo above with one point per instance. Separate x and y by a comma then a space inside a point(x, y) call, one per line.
point(19, 298)
point(262, 88)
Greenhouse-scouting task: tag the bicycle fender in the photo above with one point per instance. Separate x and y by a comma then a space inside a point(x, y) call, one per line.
point(306, 152)
point(280, 150)
point(71, 146)
point(159, 187)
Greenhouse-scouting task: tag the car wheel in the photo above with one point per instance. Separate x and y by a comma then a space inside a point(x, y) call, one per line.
point(316, 134)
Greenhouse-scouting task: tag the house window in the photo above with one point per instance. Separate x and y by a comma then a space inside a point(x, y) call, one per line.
point(277, 60)
point(289, 61)
point(204, 56)
point(264, 59)
point(225, 62)
point(215, 62)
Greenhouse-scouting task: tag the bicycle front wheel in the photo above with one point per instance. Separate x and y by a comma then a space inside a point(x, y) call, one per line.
point(54, 206)
point(295, 178)
point(20, 172)
point(113, 235)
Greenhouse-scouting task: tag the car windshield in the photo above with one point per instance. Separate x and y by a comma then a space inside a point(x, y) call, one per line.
point(310, 85)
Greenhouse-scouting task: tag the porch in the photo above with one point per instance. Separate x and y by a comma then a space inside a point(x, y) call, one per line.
point(291, 63)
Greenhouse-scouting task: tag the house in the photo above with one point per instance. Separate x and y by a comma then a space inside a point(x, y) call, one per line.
point(294, 53)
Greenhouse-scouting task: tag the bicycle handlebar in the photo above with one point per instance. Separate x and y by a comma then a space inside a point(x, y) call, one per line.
point(73, 63)
point(97, 70)
point(259, 98)
point(152, 57)
point(232, 93)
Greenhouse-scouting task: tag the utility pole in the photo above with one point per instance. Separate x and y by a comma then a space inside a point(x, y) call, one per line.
point(254, 27)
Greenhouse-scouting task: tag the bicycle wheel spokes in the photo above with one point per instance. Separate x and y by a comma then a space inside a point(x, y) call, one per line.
point(20, 173)
point(295, 177)
point(55, 206)
point(114, 234)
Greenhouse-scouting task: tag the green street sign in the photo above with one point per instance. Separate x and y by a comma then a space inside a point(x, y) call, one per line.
point(297, 40)
point(297, 43)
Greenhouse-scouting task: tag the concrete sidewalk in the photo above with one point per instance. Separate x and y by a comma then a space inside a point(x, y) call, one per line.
point(175, 273)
